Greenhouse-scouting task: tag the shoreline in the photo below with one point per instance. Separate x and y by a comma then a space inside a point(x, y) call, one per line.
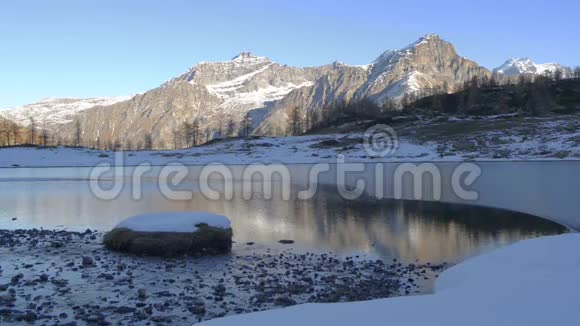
point(530, 283)
point(67, 277)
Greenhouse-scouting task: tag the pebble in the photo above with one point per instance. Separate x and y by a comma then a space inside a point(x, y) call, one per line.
point(141, 290)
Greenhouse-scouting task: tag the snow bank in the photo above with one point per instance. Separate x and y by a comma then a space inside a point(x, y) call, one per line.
point(534, 282)
point(173, 222)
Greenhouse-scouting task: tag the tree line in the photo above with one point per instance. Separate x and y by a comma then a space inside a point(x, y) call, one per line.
point(11, 134)
point(531, 93)
point(534, 94)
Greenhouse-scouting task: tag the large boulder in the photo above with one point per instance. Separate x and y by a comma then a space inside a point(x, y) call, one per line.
point(172, 234)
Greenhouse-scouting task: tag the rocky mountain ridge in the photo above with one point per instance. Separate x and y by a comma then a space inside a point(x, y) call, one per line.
point(216, 97)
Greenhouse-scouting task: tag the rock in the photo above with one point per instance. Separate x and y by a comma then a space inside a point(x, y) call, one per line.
point(286, 241)
point(198, 309)
point(125, 310)
point(142, 235)
point(284, 301)
point(87, 261)
point(106, 276)
point(16, 279)
point(142, 294)
point(28, 317)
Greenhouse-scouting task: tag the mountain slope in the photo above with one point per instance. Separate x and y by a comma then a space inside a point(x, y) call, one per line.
point(54, 111)
point(426, 64)
point(211, 93)
point(417, 70)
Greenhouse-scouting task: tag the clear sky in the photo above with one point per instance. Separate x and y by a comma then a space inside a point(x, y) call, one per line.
point(84, 48)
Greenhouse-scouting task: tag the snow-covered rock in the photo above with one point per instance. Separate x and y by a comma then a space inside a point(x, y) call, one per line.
point(172, 234)
point(531, 283)
point(518, 66)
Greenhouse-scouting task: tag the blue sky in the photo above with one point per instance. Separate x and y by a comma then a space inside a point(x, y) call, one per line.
point(72, 48)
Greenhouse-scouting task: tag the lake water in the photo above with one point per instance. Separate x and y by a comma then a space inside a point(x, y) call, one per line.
point(60, 198)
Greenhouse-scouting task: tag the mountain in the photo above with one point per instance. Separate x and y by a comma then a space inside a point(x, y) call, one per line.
point(211, 93)
point(215, 93)
point(418, 69)
point(518, 66)
point(54, 111)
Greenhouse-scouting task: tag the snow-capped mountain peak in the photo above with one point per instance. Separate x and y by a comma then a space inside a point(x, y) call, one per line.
point(390, 54)
point(517, 66)
point(249, 58)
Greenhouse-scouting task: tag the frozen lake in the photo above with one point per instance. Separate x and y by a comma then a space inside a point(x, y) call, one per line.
point(60, 198)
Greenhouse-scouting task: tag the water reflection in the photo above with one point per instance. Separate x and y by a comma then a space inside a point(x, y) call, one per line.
point(409, 230)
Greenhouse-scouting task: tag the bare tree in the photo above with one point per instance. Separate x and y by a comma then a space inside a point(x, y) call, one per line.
point(308, 118)
point(44, 136)
point(246, 126)
point(176, 138)
point(32, 130)
point(129, 145)
point(558, 74)
point(295, 122)
point(230, 127)
point(78, 133)
point(577, 73)
point(194, 133)
point(473, 93)
point(221, 121)
point(117, 145)
point(5, 130)
point(206, 135)
point(148, 141)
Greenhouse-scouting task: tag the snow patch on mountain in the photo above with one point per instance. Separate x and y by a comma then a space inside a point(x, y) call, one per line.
point(54, 111)
point(228, 88)
point(261, 96)
point(517, 66)
point(249, 58)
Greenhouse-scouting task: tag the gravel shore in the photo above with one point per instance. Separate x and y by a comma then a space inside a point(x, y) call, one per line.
point(60, 277)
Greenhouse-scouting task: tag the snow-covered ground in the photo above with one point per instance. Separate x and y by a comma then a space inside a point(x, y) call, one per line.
point(534, 282)
point(494, 138)
point(301, 149)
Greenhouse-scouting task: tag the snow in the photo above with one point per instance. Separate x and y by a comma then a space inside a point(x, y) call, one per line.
point(550, 138)
point(51, 111)
point(516, 66)
point(298, 149)
point(531, 283)
point(224, 88)
point(173, 222)
point(411, 84)
point(259, 97)
point(249, 58)
point(233, 94)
